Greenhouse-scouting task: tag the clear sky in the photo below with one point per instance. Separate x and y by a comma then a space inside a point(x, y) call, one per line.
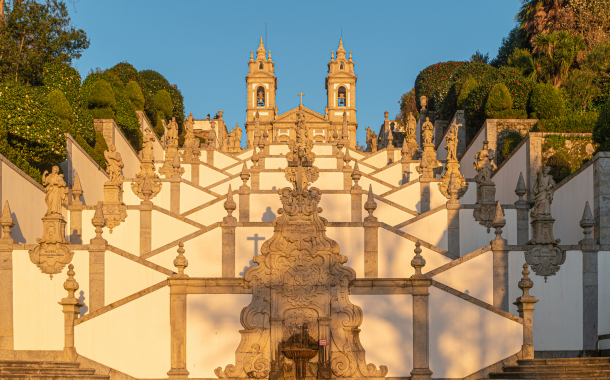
point(204, 46)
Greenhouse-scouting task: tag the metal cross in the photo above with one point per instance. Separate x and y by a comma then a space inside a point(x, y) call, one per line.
point(301, 95)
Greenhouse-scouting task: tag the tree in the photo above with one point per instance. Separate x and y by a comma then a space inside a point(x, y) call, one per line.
point(557, 52)
point(407, 104)
point(543, 16)
point(34, 34)
point(479, 57)
point(601, 130)
point(516, 39)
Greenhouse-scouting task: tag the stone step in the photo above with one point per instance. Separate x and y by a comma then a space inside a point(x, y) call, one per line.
point(551, 375)
point(47, 370)
point(53, 377)
point(558, 368)
point(37, 364)
point(563, 361)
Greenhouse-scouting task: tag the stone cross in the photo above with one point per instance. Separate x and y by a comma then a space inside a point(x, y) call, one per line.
point(301, 95)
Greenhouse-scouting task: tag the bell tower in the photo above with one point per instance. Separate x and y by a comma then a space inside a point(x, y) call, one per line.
point(261, 85)
point(341, 92)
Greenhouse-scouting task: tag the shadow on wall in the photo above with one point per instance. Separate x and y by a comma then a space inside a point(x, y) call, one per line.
point(75, 237)
point(268, 216)
point(16, 233)
point(83, 310)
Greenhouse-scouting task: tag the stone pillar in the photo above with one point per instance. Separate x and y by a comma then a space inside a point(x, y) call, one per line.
point(500, 261)
point(461, 146)
point(255, 178)
point(71, 308)
point(7, 341)
point(174, 195)
point(347, 175)
point(590, 290)
point(601, 191)
point(178, 284)
point(195, 172)
point(210, 157)
point(424, 194)
point(421, 318)
point(97, 262)
point(145, 227)
point(533, 160)
point(525, 306)
point(523, 228)
point(244, 195)
point(228, 225)
point(371, 238)
point(453, 230)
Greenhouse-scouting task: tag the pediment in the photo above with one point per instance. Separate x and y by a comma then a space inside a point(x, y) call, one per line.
point(291, 115)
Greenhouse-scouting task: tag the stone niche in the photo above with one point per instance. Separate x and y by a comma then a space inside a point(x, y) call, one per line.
point(300, 302)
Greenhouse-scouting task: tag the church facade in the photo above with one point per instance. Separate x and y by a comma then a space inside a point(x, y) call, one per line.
point(261, 87)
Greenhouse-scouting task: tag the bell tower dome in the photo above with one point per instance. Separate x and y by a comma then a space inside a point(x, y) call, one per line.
point(341, 91)
point(261, 86)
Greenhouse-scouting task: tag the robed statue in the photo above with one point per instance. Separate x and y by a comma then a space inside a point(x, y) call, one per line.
point(57, 192)
point(427, 129)
point(172, 132)
point(147, 145)
point(543, 194)
point(114, 164)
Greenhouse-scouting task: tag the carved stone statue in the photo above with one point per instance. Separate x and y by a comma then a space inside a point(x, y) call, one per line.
point(411, 124)
point(172, 132)
point(147, 146)
point(485, 207)
point(57, 192)
point(428, 132)
point(375, 141)
point(484, 163)
point(189, 124)
point(452, 141)
point(114, 164)
point(543, 191)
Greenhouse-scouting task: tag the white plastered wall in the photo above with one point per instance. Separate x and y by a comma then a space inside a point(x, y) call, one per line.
point(191, 197)
point(278, 163)
point(213, 213)
point(133, 338)
point(223, 188)
point(473, 277)
point(466, 163)
point(166, 229)
point(396, 253)
point(125, 236)
point(92, 178)
point(131, 161)
point(263, 207)
point(387, 324)
point(603, 262)
point(27, 205)
point(203, 252)
point(391, 175)
point(124, 277)
point(336, 207)
point(282, 149)
point(248, 243)
point(558, 314)
point(431, 229)
point(209, 176)
point(275, 181)
point(379, 160)
point(568, 206)
point(221, 160)
point(38, 321)
point(321, 150)
point(215, 319)
point(378, 188)
point(408, 197)
point(351, 243)
point(507, 177)
point(465, 338)
point(474, 236)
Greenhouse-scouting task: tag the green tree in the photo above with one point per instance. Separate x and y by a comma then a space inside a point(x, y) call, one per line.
point(557, 53)
point(101, 100)
point(469, 85)
point(601, 130)
point(33, 34)
point(163, 104)
point(516, 39)
point(546, 102)
point(498, 102)
point(479, 57)
point(134, 94)
point(580, 90)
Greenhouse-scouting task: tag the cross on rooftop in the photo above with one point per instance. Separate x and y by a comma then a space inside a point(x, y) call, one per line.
point(301, 95)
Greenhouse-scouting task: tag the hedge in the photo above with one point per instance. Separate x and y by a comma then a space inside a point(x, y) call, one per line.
point(134, 94)
point(498, 101)
point(569, 123)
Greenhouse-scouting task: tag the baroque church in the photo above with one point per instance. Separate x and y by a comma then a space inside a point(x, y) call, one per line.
point(301, 257)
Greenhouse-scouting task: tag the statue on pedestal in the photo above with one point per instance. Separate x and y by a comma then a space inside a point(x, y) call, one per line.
point(485, 206)
point(147, 169)
point(115, 211)
point(452, 167)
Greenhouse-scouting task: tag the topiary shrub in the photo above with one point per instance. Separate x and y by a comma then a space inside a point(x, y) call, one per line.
point(601, 130)
point(468, 85)
point(152, 82)
point(546, 102)
point(134, 94)
point(58, 103)
point(498, 101)
point(124, 71)
point(163, 103)
point(560, 166)
point(101, 100)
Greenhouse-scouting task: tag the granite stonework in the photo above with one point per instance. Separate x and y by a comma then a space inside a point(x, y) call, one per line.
point(242, 259)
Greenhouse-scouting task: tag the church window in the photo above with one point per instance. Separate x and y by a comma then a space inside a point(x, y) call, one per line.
point(341, 97)
point(260, 66)
point(260, 96)
point(342, 65)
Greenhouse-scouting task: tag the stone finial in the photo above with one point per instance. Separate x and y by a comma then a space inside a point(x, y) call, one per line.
point(526, 284)
point(7, 222)
point(356, 175)
point(390, 138)
point(586, 223)
point(386, 114)
point(77, 189)
point(244, 175)
point(229, 204)
point(255, 157)
point(498, 222)
point(347, 158)
point(418, 261)
point(370, 205)
point(404, 151)
point(181, 262)
point(147, 189)
point(71, 285)
point(251, 56)
point(521, 189)
point(99, 222)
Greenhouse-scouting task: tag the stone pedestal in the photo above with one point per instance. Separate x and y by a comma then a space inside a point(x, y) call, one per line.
point(51, 255)
point(371, 247)
point(71, 308)
point(97, 275)
point(424, 194)
point(174, 195)
point(6, 296)
point(356, 195)
point(195, 172)
point(228, 225)
point(421, 318)
point(485, 207)
point(177, 317)
point(525, 307)
point(244, 205)
point(453, 228)
point(543, 255)
point(115, 211)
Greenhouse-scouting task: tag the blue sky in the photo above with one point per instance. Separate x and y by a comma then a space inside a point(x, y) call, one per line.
point(204, 46)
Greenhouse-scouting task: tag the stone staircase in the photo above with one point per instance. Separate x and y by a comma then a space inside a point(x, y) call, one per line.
point(39, 370)
point(565, 369)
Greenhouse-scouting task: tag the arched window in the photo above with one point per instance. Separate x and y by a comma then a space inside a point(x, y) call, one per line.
point(260, 96)
point(342, 66)
point(341, 97)
point(260, 66)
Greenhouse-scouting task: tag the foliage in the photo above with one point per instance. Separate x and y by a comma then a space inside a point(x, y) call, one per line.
point(34, 34)
point(601, 131)
point(564, 154)
point(580, 90)
point(407, 105)
point(31, 127)
point(498, 101)
point(541, 16)
point(134, 94)
point(434, 82)
point(468, 85)
point(163, 103)
point(560, 166)
point(124, 71)
point(557, 53)
point(152, 82)
point(15, 156)
point(516, 39)
point(525, 63)
point(60, 107)
point(479, 57)
point(546, 102)
point(571, 122)
point(101, 96)
point(510, 143)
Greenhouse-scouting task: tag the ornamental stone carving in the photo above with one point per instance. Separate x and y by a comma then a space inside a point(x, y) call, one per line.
point(51, 255)
point(429, 165)
point(115, 211)
point(544, 256)
point(486, 188)
point(300, 293)
point(300, 157)
point(452, 167)
point(147, 177)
